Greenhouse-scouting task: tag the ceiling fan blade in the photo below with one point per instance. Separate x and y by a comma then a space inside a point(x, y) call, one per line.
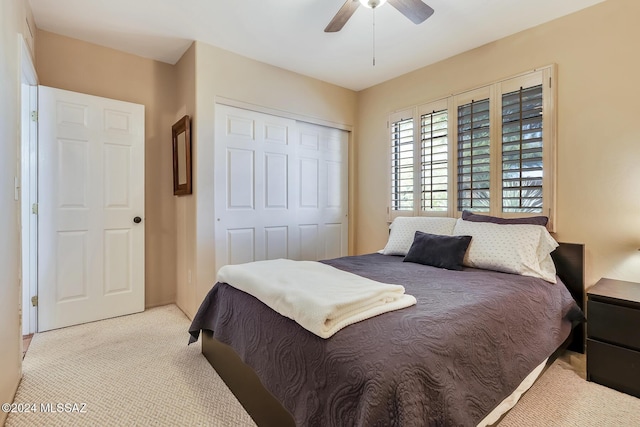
point(415, 10)
point(342, 16)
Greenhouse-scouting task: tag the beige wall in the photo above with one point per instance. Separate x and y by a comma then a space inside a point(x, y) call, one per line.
point(220, 73)
point(598, 140)
point(186, 104)
point(13, 17)
point(78, 66)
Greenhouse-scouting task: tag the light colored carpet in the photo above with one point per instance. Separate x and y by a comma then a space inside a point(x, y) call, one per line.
point(130, 371)
point(563, 398)
point(138, 370)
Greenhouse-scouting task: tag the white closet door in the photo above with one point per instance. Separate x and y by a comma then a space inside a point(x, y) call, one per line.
point(90, 208)
point(322, 176)
point(281, 188)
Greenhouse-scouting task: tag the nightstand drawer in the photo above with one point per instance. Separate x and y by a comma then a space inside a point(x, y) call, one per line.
point(613, 323)
point(614, 367)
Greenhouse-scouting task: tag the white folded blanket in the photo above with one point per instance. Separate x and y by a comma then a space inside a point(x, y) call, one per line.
point(321, 298)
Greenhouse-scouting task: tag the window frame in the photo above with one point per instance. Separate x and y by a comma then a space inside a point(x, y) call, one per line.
point(546, 76)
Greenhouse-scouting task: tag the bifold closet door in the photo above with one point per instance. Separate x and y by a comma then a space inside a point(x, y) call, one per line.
point(281, 188)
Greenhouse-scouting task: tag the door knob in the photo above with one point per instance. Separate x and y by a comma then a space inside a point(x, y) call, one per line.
point(137, 220)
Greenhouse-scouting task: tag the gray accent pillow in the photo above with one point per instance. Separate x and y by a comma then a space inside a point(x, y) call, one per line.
point(532, 220)
point(438, 251)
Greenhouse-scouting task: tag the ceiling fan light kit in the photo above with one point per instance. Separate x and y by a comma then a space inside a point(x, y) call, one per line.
point(372, 4)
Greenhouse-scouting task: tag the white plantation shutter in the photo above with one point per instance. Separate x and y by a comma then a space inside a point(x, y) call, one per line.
point(522, 150)
point(474, 156)
point(402, 162)
point(434, 170)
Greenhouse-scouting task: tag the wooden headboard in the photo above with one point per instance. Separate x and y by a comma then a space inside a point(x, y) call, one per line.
point(569, 261)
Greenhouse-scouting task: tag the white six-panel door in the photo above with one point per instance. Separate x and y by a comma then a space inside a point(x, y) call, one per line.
point(91, 188)
point(281, 188)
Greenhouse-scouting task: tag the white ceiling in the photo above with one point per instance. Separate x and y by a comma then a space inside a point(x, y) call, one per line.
point(289, 33)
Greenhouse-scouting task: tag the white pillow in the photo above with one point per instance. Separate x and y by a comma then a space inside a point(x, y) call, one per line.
point(521, 249)
point(403, 230)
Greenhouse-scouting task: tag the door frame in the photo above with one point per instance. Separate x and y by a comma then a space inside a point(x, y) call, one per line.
point(28, 188)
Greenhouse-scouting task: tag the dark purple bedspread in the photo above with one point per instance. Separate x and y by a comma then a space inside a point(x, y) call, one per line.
point(447, 361)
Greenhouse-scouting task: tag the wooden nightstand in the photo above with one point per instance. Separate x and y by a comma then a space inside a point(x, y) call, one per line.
point(613, 335)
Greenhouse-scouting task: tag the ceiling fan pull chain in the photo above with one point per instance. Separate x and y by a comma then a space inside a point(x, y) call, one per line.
point(374, 36)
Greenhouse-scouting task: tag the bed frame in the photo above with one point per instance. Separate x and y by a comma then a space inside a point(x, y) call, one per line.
point(265, 409)
point(569, 261)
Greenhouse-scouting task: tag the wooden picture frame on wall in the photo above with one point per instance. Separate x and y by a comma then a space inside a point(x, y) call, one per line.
point(181, 137)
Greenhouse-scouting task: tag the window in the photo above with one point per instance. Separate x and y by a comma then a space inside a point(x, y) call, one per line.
point(490, 150)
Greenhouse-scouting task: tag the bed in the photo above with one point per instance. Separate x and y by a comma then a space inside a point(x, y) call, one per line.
point(469, 342)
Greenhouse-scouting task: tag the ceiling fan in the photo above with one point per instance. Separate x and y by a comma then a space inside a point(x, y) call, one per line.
point(415, 10)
